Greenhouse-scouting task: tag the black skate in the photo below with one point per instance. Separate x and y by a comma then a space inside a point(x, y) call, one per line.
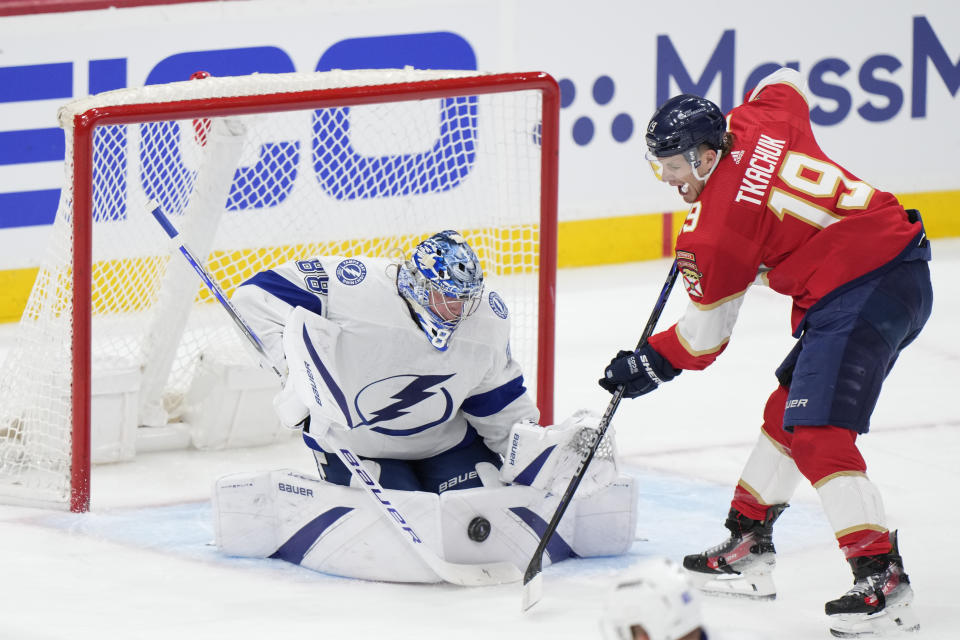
point(879, 601)
point(742, 566)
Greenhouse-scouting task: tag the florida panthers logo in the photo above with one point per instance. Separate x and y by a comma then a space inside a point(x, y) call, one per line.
point(687, 263)
point(404, 405)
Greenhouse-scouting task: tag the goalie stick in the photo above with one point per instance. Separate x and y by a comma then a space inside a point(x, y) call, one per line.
point(533, 577)
point(467, 575)
point(211, 285)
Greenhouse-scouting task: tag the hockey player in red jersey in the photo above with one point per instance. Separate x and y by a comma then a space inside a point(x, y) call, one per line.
point(769, 208)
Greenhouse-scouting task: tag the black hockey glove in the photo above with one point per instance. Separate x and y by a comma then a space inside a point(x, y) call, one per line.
point(639, 372)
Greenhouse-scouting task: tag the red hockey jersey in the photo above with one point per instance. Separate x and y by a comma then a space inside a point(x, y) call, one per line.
point(777, 212)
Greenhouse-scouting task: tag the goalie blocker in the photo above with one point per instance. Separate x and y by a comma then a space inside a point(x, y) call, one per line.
point(337, 530)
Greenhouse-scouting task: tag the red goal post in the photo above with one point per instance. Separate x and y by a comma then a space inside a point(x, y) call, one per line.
point(487, 165)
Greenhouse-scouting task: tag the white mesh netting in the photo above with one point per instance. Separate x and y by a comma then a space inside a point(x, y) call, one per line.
point(248, 192)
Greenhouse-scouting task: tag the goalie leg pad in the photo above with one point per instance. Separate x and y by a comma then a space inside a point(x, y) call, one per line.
point(598, 525)
point(321, 526)
point(334, 529)
point(607, 520)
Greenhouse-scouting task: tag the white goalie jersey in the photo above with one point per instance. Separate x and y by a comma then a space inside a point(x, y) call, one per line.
point(399, 396)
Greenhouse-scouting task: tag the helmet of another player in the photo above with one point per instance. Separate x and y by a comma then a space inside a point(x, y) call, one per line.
point(679, 127)
point(442, 281)
point(654, 601)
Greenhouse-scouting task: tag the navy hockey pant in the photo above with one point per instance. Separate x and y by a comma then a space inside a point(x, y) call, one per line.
point(453, 469)
point(849, 345)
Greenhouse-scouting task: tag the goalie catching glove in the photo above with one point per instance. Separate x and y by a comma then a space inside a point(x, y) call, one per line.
point(547, 457)
point(640, 372)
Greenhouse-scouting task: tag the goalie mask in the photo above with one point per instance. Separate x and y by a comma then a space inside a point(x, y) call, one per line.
point(443, 284)
point(680, 126)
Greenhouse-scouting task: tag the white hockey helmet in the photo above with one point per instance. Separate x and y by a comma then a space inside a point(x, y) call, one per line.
point(657, 596)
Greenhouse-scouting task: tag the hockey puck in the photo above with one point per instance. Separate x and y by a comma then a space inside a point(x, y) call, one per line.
point(479, 529)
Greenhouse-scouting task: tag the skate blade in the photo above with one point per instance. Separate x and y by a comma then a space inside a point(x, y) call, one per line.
point(752, 587)
point(892, 621)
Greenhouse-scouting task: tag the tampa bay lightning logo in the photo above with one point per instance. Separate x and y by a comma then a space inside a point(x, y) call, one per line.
point(351, 272)
point(404, 405)
point(497, 304)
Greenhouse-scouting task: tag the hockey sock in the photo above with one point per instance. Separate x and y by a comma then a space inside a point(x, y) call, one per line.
point(866, 542)
point(829, 458)
point(770, 475)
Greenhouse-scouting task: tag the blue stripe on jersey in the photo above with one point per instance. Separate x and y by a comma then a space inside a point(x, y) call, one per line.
point(493, 401)
point(279, 287)
point(328, 379)
point(303, 540)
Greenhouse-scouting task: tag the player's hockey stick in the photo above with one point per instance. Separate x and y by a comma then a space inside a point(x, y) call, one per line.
point(533, 577)
point(467, 575)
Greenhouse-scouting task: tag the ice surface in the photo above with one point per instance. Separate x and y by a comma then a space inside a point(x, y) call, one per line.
point(140, 566)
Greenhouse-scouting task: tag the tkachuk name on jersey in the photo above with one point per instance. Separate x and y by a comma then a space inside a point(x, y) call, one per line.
point(762, 165)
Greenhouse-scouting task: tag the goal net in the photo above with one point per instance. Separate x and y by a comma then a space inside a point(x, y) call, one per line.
point(255, 171)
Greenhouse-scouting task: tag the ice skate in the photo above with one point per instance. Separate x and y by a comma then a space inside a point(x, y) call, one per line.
point(742, 566)
point(879, 602)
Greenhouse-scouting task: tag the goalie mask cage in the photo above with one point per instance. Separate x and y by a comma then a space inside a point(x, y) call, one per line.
point(255, 171)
